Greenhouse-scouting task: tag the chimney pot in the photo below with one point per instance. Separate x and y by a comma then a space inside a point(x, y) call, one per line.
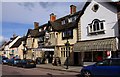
point(72, 9)
point(52, 17)
point(36, 25)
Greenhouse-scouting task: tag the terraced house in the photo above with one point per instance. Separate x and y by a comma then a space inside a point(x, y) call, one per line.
point(55, 34)
point(8, 51)
point(17, 47)
point(31, 41)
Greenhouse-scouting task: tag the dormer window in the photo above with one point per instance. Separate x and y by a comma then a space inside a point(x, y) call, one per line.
point(75, 17)
point(44, 28)
point(63, 22)
point(95, 7)
point(96, 27)
point(40, 30)
point(47, 35)
point(71, 19)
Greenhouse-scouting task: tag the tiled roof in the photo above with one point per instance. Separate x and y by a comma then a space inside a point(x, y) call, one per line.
point(17, 43)
point(35, 33)
point(13, 38)
point(42, 26)
point(8, 42)
point(57, 25)
point(23, 38)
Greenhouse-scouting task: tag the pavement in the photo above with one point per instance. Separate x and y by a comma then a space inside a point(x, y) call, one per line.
point(60, 68)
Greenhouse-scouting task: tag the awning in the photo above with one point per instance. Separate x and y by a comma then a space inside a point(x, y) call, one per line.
point(96, 45)
point(43, 49)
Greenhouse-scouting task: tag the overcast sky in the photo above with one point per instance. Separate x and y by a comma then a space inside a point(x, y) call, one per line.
point(18, 17)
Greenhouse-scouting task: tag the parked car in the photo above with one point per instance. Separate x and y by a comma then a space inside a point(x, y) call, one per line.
point(26, 63)
point(16, 61)
point(105, 68)
point(4, 60)
point(13, 61)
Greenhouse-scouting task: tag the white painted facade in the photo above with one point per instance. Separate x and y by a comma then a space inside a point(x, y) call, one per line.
point(106, 13)
point(7, 48)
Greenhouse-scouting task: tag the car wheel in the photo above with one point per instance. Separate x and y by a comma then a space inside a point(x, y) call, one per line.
point(87, 74)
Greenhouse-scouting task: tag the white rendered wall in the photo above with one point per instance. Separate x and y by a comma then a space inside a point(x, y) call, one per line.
point(108, 14)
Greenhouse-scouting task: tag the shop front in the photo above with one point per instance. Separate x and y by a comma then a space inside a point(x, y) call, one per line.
point(46, 54)
point(96, 50)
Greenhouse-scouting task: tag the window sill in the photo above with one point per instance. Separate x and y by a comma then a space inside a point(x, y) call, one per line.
point(97, 32)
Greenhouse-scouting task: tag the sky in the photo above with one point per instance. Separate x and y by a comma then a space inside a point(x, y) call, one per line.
point(18, 17)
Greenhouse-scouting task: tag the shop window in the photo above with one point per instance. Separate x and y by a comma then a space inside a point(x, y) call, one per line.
point(68, 52)
point(88, 57)
point(98, 56)
point(65, 53)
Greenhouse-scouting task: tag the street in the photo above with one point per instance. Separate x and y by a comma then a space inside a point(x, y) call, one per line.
point(12, 71)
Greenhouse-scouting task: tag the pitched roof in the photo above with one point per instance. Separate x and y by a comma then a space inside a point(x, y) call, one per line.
point(17, 43)
point(116, 4)
point(13, 38)
point(57, 25)
point(35, 33)
point(23, 38)
point(8, 42)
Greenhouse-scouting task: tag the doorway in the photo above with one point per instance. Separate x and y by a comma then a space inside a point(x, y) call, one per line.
point(76, 60)
point(49, 56)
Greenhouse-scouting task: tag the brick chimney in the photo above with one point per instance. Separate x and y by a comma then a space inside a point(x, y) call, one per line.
point(52, 17)
point(72, 9)
point(36, 25)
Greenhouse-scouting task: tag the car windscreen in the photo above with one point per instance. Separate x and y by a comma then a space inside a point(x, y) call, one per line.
point(4, 58)
point(115, 62)
point(29, 60)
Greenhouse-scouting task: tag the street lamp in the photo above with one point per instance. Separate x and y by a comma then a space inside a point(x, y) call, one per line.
point(67, 44)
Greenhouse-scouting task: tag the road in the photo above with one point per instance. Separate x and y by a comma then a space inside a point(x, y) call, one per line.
point(12, 71)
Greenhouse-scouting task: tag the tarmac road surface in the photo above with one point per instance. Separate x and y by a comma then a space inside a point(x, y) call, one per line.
point(12, 71)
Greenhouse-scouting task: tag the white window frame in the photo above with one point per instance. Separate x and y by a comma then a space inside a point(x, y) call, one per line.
point(92, 28)
point(63, 22)
point(70, 20)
